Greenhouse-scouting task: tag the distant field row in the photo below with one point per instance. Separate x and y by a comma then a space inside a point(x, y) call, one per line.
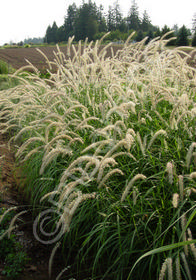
point(16, 58)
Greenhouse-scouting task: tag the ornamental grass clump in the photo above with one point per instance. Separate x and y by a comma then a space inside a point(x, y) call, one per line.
point(107, 145)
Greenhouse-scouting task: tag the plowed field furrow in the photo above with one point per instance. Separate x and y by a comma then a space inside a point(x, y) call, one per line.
point(16, 57)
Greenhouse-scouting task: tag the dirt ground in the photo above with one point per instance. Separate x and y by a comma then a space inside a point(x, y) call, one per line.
point(16, 57)
point(37, 268)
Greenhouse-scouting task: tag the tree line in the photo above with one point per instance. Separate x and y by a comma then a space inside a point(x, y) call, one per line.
point(89, 20)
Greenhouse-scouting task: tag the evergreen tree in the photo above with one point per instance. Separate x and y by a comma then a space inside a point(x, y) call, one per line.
point(89, 21)
point(182, 38)
point(194, 40)
point(123, 26)
point(92, 29)
point(133, 17)
point(69, 24)
point(102, 26)
point(117, 15)
point(194, 23)
point(110, 19)
point(115, 18)
point(145, 25)
point(51, 34)
point(54, 30)
point(48, 36)
point(165, 30)
point(61, 35)
point(176, 29)
point(86, 23)
point(157, 32)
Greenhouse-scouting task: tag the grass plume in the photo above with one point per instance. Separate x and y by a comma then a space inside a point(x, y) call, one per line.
point(114, 138)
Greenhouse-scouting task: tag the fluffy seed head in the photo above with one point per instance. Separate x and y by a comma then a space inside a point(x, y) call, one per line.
point(130, 184)
point(170, 171)
point(175, 200)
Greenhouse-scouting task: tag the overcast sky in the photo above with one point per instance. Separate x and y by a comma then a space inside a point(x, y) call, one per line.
point(20, 19)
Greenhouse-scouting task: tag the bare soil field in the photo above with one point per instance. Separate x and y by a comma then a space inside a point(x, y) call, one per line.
point(16, 57)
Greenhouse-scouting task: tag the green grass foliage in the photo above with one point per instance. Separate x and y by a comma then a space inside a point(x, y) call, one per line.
point(4, 68)
point(108, 145)
point(6, 81)
point(12, 255)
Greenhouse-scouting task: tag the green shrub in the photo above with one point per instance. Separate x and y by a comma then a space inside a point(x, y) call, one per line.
point(14, 264)
point(4, 68)
point(11, 252)
point(8, 82)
